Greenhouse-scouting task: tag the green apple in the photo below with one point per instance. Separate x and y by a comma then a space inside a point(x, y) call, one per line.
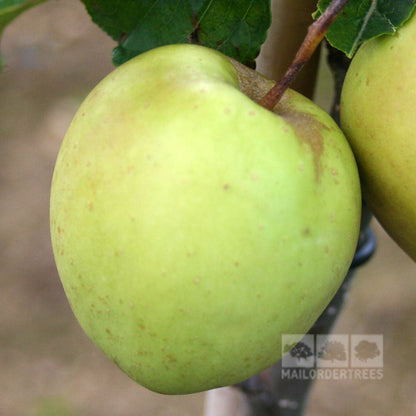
point(379, 118)
point(192, 227)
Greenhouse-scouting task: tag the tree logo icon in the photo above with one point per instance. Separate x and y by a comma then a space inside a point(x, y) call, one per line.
point(366, 350)
point(298, 351)
point(333, 351)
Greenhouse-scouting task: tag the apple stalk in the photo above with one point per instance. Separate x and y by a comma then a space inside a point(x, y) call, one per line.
point(314, 36)
point(290, 22)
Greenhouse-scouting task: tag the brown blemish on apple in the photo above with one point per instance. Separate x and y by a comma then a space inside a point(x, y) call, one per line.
point(307, 129)
point(171, 358)
point(251, 83)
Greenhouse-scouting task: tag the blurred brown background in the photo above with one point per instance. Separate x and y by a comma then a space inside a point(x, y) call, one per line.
point(54, 56)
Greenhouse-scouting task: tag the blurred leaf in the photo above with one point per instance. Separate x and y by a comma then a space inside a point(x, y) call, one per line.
point(10, 9)
point(236, 28)
point(365, 19)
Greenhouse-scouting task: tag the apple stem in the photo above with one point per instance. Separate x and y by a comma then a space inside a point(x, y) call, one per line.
point(316, 32)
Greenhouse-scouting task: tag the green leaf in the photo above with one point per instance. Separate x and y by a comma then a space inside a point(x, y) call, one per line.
point(10, 9)
point(365, 19)
point(236, 28)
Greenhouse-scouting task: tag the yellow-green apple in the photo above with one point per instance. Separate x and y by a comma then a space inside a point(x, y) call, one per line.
point(192, 227)
point(378, 116)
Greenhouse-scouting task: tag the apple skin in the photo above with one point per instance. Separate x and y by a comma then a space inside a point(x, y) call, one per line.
point(379, 119)
point(192, 227)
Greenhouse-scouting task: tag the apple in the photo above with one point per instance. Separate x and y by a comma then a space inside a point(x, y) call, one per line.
point(379, 119)
point(192, 227)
